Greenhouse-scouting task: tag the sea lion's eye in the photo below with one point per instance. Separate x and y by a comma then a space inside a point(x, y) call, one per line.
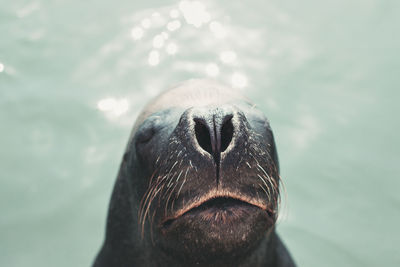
point(146, 131)
point(150, 127)
point(145, 135)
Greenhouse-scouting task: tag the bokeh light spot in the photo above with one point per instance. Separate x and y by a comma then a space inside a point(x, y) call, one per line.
point(227, 57)
point(217, 29)
point(172, 48)
point(239, 80)
point(194, 13)
point(154, 58)
point(146, 23)
point(212, 70)
point(113, 107)
point(137, 33)
point(173, 25)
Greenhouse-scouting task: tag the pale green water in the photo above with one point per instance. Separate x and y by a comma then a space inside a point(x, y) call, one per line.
point(74, 74)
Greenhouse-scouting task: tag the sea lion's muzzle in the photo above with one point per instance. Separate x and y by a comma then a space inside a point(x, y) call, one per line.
point(225, 168)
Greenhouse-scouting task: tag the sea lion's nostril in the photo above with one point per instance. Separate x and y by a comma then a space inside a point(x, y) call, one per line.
point(214, 134)
point(226, 133)
point(203, 135)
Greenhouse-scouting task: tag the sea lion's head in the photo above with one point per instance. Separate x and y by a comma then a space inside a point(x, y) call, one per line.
point(209, 174)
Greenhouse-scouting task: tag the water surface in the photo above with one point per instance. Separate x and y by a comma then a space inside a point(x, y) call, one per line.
point(74, 75)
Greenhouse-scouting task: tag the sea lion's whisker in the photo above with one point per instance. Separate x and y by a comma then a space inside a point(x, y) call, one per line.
point(142, 207)
point(262, 187)
point(151, 227)
point(173, 202)
point(171, 178)
point(177, 179)
point(269, 179)
point(152, 193)
point(144, 196)
point(172, 191)
point(173, 166)
point(266, 186)
point(184, 180)
point(262, 169)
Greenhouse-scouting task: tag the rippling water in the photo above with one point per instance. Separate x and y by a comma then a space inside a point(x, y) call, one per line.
point(74, 74)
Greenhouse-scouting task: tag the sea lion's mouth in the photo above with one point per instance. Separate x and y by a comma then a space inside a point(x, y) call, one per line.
point(220, 207)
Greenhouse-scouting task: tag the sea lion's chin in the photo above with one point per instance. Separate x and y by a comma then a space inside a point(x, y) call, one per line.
point(218, 225)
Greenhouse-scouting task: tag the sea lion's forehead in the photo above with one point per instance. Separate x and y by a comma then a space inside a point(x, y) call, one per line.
point(195, 93)
point(192, 93)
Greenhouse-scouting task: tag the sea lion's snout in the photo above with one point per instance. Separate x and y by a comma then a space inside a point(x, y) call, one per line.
point(212, 144)
point(210, 131)
point(213, 131)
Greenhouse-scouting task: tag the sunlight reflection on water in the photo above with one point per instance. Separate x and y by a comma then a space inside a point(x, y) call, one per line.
point(174, 31)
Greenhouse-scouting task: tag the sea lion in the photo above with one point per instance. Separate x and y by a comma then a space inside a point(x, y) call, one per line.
point(198, 185)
